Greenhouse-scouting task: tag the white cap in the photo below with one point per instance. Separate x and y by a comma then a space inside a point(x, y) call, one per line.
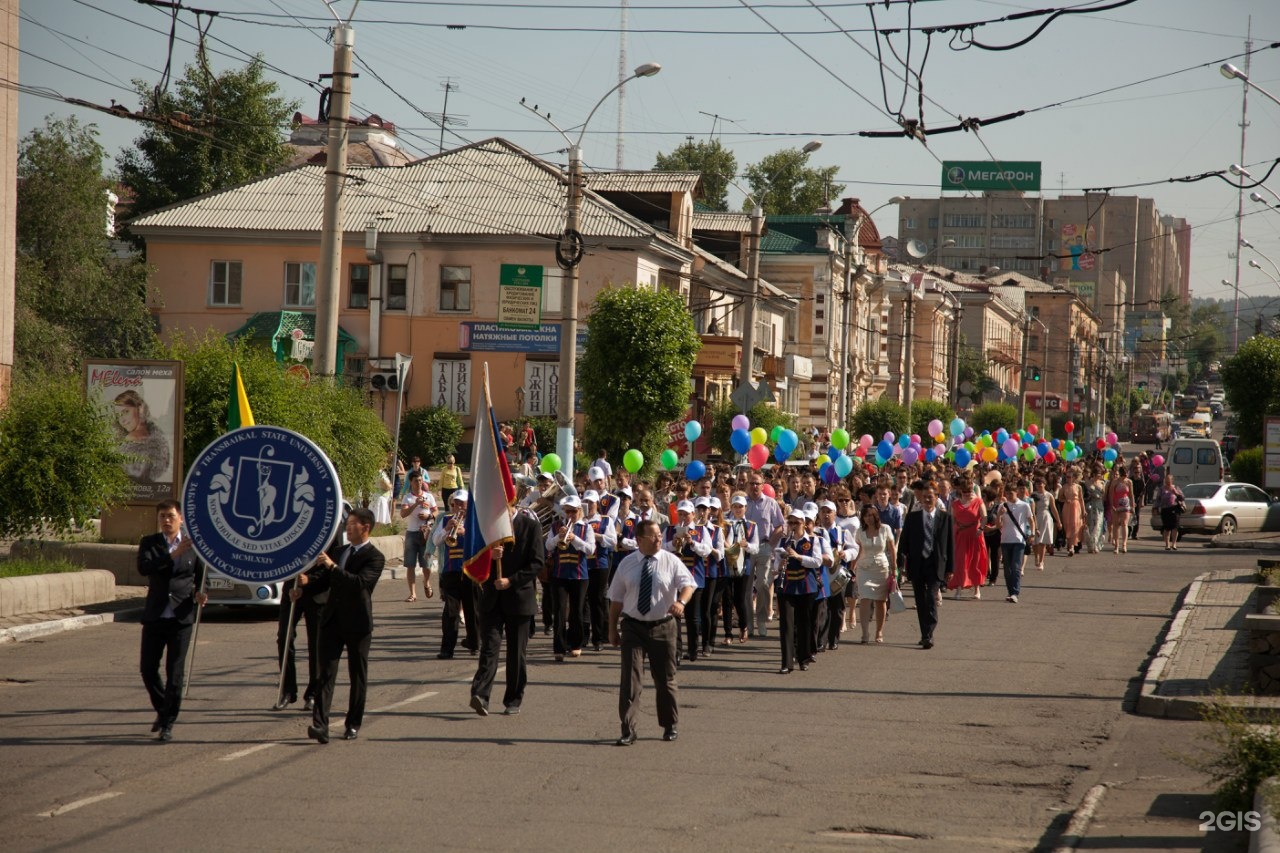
point(591, 495)
point(714, 502)
point(543, 475)
point(811, 509)
point(460, 495)
point(796, 513)
point(625, 490)
point(594, 473)
point(684, 506)
point(827, 505)
point(739, 500)
point(570, 501)
point(702, 500)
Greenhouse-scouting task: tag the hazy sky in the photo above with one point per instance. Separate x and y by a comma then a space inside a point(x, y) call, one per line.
point(564, 56)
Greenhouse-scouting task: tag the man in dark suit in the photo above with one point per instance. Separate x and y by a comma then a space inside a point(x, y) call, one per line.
point(173, 575)
point(926, 540)
point(348, 573)
point(306, 605)
point(507, 604)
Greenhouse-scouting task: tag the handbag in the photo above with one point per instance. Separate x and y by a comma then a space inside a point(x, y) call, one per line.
point(897, 603)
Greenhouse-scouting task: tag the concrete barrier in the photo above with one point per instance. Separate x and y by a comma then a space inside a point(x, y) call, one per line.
point(62, 591)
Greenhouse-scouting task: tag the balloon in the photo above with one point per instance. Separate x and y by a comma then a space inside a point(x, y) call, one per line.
point(1112, 438)
point(759, 436)
point(935, 427)
point(885, 448)
point(829, 475)
point(768, 490)
point(1033, 429)
point(915, 439)
point(1050, 457)
point(821, 460)
point(757, 456)
point(1002, 435)
point(904, 441)
point(970, 446)
point(692, 430)
point(633, 460)
point(865, 441)
point(1157, 460)
point(740, 439)
point(1107, 464)
point(695, 470)
point(740, 422)
point(839, 439)
point(779, 454)
point(1055, 444)
point(989, 454)
point(910, 456)
point(824, 468)
point(669, 459)
point(788, 441)
point(775, 432)
point(1069, 426)
point(550, 464)
point(963, 458)
point(930, 455)
point(1101, 444)
point(1110, 454)
point(1042, 448)
point(860, 452)
point(957, 427)
point(1010, 447)
point(844, 466)
point(1069, 445)
point(833, 454)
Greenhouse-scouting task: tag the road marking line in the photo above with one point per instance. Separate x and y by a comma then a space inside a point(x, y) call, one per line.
point(249, 751)
point(403, 702)
point(87, 801)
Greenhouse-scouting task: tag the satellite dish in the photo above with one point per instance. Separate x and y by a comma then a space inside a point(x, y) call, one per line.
point(917, 248)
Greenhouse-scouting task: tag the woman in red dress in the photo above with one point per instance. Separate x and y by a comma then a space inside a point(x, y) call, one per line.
point(968, 515)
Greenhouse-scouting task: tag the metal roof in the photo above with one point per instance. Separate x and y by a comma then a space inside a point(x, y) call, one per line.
point(645, 182)
point(718, 220)
point(488, 188)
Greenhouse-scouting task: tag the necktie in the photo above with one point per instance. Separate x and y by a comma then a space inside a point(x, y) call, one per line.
point(928, 533)
point(644, 599)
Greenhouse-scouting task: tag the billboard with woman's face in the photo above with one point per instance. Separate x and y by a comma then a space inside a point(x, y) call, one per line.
point(143, 399)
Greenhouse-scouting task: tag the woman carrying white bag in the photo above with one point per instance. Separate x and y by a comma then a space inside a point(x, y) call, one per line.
point(872, 569)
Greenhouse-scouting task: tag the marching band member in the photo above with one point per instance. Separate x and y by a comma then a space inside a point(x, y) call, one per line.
point(716, 572)
point(569, 545)
point(687, 541)
point(742, 543)
point(604, 531)
point(818, 606)
point(624, 529)
point(799, 559)
point(596, 481)
point(455, 591)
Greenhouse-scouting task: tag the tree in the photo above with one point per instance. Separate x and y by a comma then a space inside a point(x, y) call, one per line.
point(334, 416)
point(56, 477)
point(973, 369)
point(876, 417)
point(924, 411)
point(991, 417)
point(784, 183)
point(73, 298)
point(761, 415)
point(1206, 339)
point(430, 433)
point(716, 163)
point(236, 118)
point(635, 369)
point(1251, 380)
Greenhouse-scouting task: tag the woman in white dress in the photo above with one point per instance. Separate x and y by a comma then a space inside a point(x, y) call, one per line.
point(877, 552)
point(1047, 520)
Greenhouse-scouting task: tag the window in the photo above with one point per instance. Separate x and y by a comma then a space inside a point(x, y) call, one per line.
point(1012, 220)
point(967, 241)
point(300, 285)
point(455, 288)
point(397, 287)
point(1182, 456)
point(909, 223)
point(819, 314)
point(359, 288)
point(933, 223)
point(1207, 456)
point(817, 330)
point(963, 220)
point(820, 298)
point(225, 279)
point(1009, 241)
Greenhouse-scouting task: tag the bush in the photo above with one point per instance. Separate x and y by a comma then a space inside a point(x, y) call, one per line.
point(59, 458)
point(1249, 752)
point(544, 430)
point(1246, 467)
point(1058, 426)
point(923, 411)
point(36, 566)
point(431, 433)
point(876, 417)
point(761, 415)
point(994, 416)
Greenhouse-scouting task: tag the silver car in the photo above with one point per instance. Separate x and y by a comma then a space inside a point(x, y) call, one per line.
point(1225, 508)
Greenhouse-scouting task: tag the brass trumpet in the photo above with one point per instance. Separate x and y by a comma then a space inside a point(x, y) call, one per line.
point(455, 525)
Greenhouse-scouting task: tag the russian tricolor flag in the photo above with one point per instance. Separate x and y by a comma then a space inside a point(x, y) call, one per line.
point(492, 494)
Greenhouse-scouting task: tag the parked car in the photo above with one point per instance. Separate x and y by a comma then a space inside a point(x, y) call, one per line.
point(1215, 407)
point(1225, 508)
point(237, 593)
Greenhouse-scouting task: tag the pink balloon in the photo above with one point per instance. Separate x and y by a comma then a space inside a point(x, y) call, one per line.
point(1112, 438)
point(1157, 460)
point(865, 442)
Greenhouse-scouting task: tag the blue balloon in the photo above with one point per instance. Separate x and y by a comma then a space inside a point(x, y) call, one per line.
point(1110, 454)
point(1042, 448)
point(788, 441)
point(826, 466)
point(930, 455)
point(962, 457)
point(834, 453)
point(740, 439)
point(692, 430)
point(780, 454)
point(956, 427)
point(1002, 436)
point(695, 470)
point(844, 466)
point(904, 441)
point(884, 450)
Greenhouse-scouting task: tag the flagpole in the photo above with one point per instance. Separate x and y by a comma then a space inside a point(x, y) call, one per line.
point(288, 644)
point(195, 633)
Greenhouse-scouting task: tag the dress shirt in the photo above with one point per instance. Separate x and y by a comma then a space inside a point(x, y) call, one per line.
point(669, 577)
point(767, 515)
point(173, 546)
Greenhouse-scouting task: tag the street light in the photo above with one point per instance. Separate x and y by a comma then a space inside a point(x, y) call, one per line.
point(1253, 263)
point(1258, 266)
point(569, 253)
point(1232, 73)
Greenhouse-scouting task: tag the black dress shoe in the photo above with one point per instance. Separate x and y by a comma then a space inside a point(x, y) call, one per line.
point(786, 670)
point(318, 734)
point(470, 648)
point(443, 656)
point(309, 705)
point(351, 733)
point(626, 740)
point(670, 733)
point(158, 724)
point(166, 733)
point(284, 702)
point(927, 644)
point(803, 666)
point(480, 706)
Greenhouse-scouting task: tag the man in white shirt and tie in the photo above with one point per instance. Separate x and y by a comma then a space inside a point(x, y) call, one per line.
point(648, 593)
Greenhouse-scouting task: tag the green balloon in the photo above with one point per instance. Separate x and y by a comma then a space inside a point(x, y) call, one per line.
point(669, 459)
point(775, 432)
point(633, 460)
point(839, 439)
point(550, 464)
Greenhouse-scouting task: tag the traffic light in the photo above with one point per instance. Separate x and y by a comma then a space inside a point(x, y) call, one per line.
point(1035, 374)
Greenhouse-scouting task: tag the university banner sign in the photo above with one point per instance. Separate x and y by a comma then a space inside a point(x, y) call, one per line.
point(966, 175)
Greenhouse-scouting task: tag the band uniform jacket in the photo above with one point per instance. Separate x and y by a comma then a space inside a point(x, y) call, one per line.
point(169, 581)
point(522, 562)
point(350, 590)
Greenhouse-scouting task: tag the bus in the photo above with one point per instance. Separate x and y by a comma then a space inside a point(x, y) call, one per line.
point(1187, 405)
point(1148, 427)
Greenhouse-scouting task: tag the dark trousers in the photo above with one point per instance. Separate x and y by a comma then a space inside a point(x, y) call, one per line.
point(570, 598)
point(597, 606)
point(795, 628)
point(711, 595)
point(835, 618)
point(332, 645)
point(548, 603)
point(287, 631)
point(693, 624)
point(818, 619)
point(658, 641)
point(993, 557)
point(458, 600)
point(926, 604)
point(737, 600)
point(167, 638)
point(492, 626)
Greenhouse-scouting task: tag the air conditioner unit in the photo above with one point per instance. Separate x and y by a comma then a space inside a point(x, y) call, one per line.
point(384, 380)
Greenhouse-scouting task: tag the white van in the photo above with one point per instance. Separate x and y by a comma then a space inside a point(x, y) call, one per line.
point(1194, 460)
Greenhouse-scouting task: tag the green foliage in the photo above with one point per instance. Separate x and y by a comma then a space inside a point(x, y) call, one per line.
point(334, 416)
point(1058, 428)
point(785, 183)
point(761, 415)
point(73, 298)
point(238, 115)
point(23, 566)
point(544, 431)
point(59, 458)
point(1117, 410)
point(1269, 576)
point(1248, 752)
point(1251, 379)
point(1247, 467)
point(431, 433)
point(973, 369)
point(923, 411)
point(635, 370)
point(876, 417)
point(993, 416)
point(716, 163)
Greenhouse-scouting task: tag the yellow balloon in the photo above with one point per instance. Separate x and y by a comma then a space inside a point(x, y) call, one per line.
point(820, 461)
point(759, 436)
point(989, 454)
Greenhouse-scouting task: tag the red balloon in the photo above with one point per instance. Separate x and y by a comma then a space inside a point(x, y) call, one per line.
point(1101, 444)
point(1069, 426)
point(768, 490)
point(1049, 456)
point(860, 452)
point(1033, 429)
point(758, 455)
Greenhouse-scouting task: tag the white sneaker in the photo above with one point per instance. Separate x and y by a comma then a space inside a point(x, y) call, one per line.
point(1013, 599)
point(977, 594)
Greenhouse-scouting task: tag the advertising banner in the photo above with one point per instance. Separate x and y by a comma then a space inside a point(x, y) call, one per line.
point(144, 401)
point(964, 175)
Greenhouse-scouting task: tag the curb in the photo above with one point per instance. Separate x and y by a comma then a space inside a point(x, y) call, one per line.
point(1266, 838)
point(1170, 707)
point(21, 633)
point(1080, 820)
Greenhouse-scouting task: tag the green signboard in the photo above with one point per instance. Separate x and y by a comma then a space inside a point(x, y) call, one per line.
point(961, 175)
point(520, 296)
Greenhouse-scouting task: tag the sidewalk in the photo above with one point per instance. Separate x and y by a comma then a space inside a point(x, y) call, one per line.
point(27, 626)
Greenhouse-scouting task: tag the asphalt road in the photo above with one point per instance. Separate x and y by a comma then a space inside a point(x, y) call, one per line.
point(985, 742)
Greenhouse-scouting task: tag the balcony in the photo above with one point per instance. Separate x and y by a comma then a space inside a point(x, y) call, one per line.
point(719, 354)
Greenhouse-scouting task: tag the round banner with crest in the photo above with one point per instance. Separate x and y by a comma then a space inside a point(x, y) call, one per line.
point(261, 503)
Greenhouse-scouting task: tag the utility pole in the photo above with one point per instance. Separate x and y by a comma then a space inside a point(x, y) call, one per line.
point(955, 352)
point(1244, 126)
point(569, 323)
point(753, 296)
point(850, 281)
point(449, 86)
point(1044, 381)
point(1022, 381)
point(329, 278)
point(908, 341)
